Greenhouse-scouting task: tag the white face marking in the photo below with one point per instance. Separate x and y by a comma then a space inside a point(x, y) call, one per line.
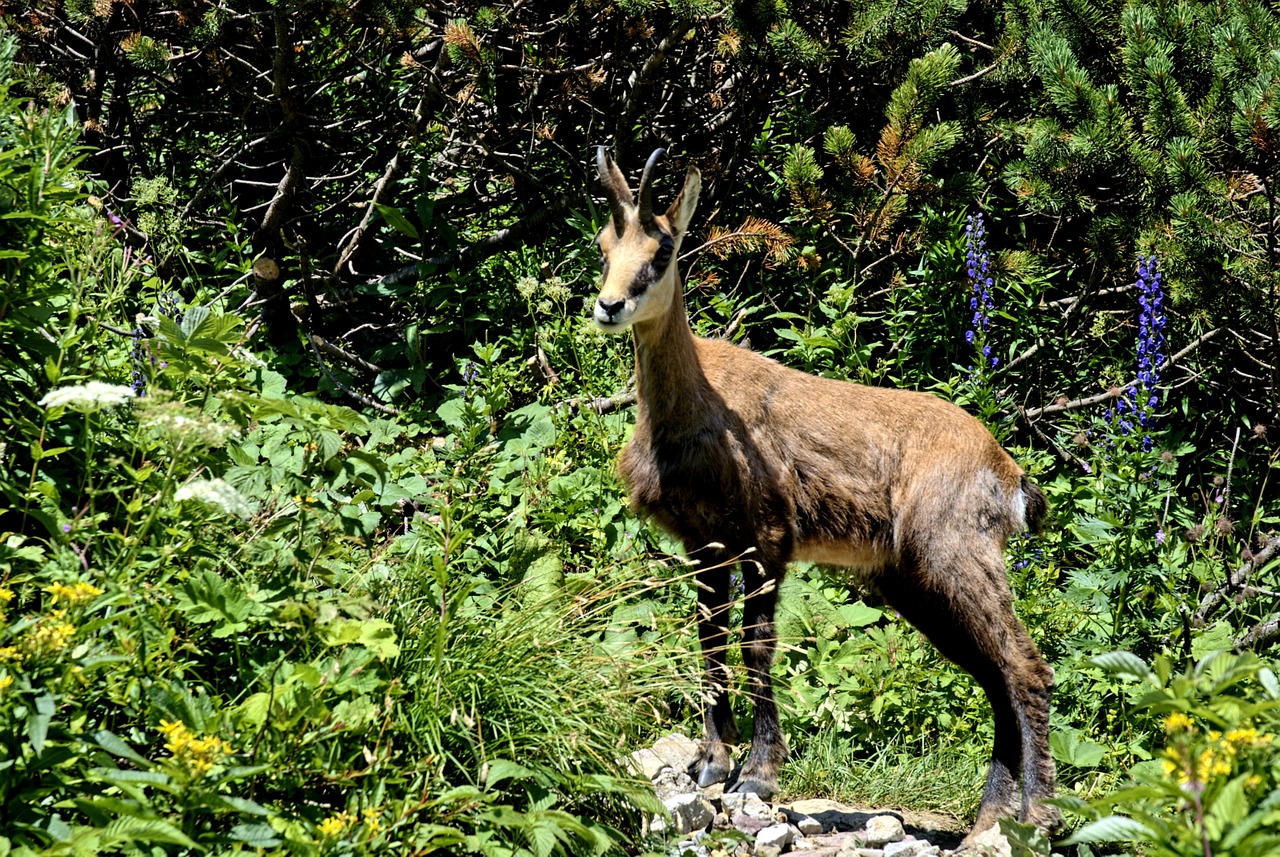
point(631, 289)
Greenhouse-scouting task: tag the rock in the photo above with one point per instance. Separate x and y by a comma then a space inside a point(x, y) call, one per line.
point(853, 848)
point(747, 804)
point(673, 781)
point(881, 830)
point(749, 824)
point(774, 836)
point(767, 851)
point(808, 825)
point(911, 848)
point(676, 751)
point(713, 792)
point(830, 814)
point(990, 843)
point(646, 763)
point(689, 812)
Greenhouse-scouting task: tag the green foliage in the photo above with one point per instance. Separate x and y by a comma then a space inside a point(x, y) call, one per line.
point(356, 574)
point(1214, 790)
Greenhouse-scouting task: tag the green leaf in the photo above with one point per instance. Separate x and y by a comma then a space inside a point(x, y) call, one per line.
point(1113, 828)
point(1124, 665)
point(38, 721)
point(116, 746)
point(1070, 747)
point(255, 835)
point(397, 220)
point(500, 770)
point(859, 615)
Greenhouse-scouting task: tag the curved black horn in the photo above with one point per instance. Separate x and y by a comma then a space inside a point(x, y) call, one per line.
point(615, 189)
point(645, 193)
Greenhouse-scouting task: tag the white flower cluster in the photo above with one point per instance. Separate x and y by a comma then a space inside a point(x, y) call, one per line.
point(193, 429)
point(217, 494)
point(87, 398)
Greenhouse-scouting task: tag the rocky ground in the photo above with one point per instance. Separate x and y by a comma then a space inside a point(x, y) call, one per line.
point(709, 823)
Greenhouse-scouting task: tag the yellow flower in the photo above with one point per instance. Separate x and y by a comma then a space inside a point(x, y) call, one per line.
point(371, 821)
point(6, 595)
point(10, 654)
point(1177, 722)
point(50, 635)
point(196, 754)
point(5, 681)
point(77, 594)
point(335, 824)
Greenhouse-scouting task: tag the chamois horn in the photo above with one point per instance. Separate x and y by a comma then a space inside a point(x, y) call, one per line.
point(615, 189)
point(645, 193)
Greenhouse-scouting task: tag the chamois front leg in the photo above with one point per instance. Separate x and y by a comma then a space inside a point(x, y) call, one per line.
point(759, 641)
point(720, 730)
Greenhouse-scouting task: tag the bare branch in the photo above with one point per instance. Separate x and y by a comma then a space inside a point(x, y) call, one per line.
point(1102, 397)
point(1235, 580)
point(501, 240)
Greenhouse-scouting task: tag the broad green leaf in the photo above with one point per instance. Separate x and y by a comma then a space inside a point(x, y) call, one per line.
point(1113, 828)
point(397, 221)
point(1125, 665)
point(116, 746)
point(38, 721)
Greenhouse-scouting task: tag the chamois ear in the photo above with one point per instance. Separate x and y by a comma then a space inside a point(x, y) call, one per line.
point(681, 210)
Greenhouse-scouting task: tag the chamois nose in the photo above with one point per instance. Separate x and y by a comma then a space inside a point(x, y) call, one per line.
point(607, 310)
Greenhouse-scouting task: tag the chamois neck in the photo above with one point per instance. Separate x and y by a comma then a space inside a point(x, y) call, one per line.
point(671, 388)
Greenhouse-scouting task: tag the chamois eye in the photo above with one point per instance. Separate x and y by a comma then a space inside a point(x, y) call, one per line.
point(662, 257)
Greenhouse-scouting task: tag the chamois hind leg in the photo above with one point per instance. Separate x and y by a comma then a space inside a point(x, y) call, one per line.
point(720, 729)
point(759, 773)
point(965, 607)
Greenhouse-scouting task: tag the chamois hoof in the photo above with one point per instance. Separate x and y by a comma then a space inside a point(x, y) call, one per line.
point(710, 773)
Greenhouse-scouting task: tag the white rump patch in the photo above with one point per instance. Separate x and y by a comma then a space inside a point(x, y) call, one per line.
point(1020, 508)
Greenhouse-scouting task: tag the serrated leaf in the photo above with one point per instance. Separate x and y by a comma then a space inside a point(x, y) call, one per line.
point(255, 835)
point(1072, 748)
point(148, 830)
point(500, 770)
point(1113, 828)
point(1124, 665)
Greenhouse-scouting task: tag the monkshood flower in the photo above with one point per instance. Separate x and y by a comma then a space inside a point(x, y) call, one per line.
point(217, 494)
point(87, 398)
point(978, 268)
point(1138, 401)
point(167, 306)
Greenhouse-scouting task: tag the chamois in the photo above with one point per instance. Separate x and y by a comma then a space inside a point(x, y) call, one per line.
point(742, 458)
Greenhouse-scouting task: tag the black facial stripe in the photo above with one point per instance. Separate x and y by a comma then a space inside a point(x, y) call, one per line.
point(642, 280)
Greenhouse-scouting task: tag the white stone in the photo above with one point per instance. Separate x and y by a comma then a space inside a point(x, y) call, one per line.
point(676, 751)
point(990, 843)
point(646, 763)
point(853, 848)
point(808, 825)
point(774, 836)
point(671, 782)
point(881, 830)
point(689, 812)
point(911, 848)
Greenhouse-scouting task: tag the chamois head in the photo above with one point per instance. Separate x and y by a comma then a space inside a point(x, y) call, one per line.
point(639, 247)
